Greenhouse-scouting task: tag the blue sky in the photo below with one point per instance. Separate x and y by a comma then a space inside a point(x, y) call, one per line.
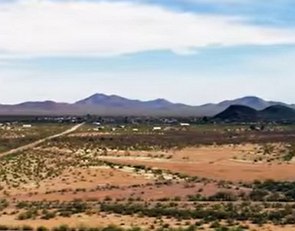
point(190, 51)
point(271, 12)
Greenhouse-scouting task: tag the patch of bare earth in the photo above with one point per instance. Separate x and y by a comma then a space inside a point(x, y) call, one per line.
point(215, 162)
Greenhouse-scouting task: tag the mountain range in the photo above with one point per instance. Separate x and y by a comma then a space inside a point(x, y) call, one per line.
point(113, 105)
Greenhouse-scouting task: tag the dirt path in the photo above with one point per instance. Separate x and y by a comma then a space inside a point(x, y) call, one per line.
point(35, 143)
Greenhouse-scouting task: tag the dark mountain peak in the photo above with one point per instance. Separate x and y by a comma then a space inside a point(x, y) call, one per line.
point(278, 112)
point(238, 113)
point(237, 107)
point(279, 108)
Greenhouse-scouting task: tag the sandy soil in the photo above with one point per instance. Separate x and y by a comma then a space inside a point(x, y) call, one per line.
point(85, 179)
point(100, 220)
point(215, 162)
point(145, 192)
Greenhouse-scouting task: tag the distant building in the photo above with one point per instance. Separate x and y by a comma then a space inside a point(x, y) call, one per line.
point(27, 125)
point(157, 128)
point(184, 124)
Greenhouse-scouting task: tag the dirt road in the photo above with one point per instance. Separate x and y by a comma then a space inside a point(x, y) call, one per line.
point(35, 143)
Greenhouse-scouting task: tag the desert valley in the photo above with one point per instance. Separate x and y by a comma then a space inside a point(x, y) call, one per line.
point(147, 173)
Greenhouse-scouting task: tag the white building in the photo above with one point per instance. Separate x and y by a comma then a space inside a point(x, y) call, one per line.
point(157, 128)
point(184, 124)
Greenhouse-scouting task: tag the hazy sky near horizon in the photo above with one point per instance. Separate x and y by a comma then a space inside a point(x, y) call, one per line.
point(190, 51)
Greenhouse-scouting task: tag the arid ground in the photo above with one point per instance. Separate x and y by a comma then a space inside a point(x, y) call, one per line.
point(210, 177)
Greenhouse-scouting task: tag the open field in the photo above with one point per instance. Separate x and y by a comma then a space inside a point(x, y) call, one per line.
point(198, 177)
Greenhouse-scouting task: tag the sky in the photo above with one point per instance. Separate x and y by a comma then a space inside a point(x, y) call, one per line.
point(189, 51)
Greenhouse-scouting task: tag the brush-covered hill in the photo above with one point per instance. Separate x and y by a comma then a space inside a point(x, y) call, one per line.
point(278, 112)
point(239, 113)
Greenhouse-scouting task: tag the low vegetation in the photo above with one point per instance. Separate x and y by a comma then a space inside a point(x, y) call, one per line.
point(147, 180)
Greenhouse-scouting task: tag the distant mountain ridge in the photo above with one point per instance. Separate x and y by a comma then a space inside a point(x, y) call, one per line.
point(118, 101)
point(113, 105)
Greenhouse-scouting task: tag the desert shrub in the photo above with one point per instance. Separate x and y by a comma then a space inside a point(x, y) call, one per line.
point(42, 228)
point(27, 228)
point(112, 228)
point(28, 214)
point(46, 215)
point(258, 195)
point(223, 196)
point(62, 228)
point(4, 227)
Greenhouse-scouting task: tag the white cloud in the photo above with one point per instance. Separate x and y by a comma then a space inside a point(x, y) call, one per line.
point(44, 28)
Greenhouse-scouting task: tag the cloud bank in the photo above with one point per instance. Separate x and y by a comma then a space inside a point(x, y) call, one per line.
point(87, 28)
